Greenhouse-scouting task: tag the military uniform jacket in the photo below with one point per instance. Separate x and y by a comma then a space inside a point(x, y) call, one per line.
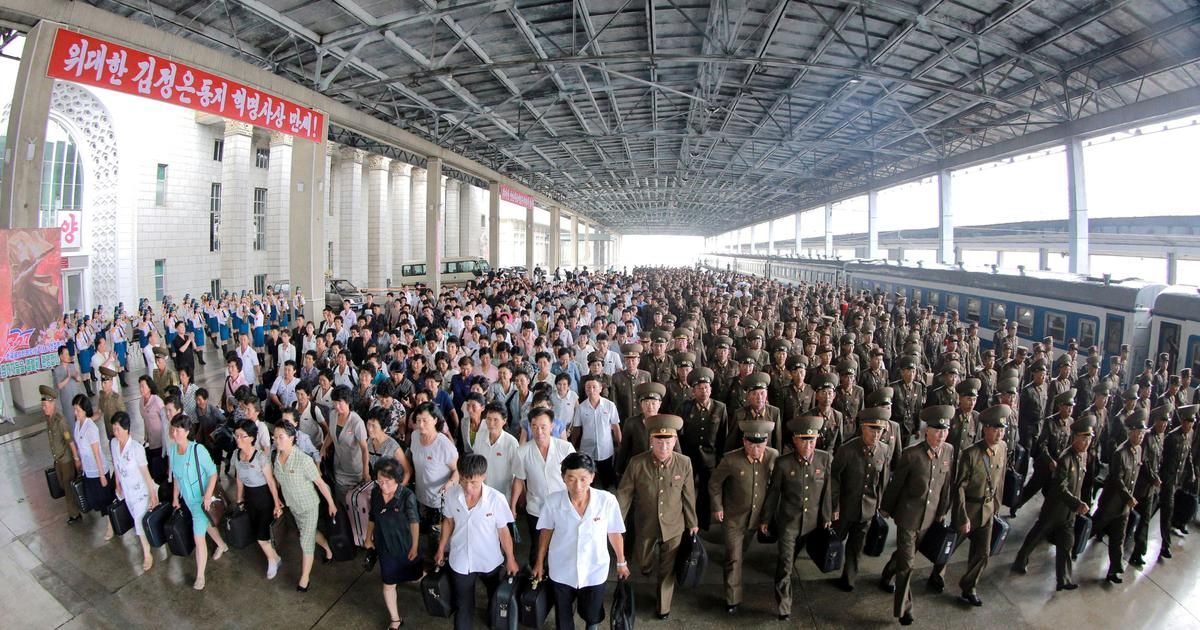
point(1119, 486)
point(635, 440)
point(704, 432)
point(739, 487)
point(859, 478)
point(1054, 438)
point(1054, 388)
point(891, 439)
point(871, 380)
point(661, 369)
point(663, 495)
point(941, 395)
point(831, 435)
point(919, 492)
point(906, 403)
point(163, 379)
point(987, 387)
point(110, 403)
point(678, 394)
point(1083, 395)
point(1033, 403)
point(777, 440)
point(1145, 490)
point(979, 487)
point(623, 384)
point(800, 498)
point(1177, 464)
point(723, 378)
point(1012, 435)
point(796, 400)
point(849, 402)
point(964, 430)
point(60, 438)
point(1063, 494)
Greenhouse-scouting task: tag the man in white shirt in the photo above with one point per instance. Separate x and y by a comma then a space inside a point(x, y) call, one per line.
point(574, 525)
point(499, 447)
point(249, 356)
point(613, 362)
point(596, 430)
point(537, 470)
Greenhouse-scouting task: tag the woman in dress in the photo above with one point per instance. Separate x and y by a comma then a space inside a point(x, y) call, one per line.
point(155, 429)
point(195, 482)
point(300, 481)
point(93, 463)
point(84, 350)
point(133, 480)
point(393, 531)
point(67, 379)
point(256, 492)
point(434, 459)
point(382, 446)
point(187, 391)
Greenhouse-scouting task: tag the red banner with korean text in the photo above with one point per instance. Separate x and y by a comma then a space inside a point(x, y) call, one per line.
point(517, 197)
point(94, 61)
point(30, 300)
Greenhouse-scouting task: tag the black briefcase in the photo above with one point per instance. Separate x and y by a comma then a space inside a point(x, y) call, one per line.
point(119, 517)
point(1000, 529)
point(1013, 481)
point(165, 491)
point(1083, 531)
point(239, 530)
point(769, 538)
point(877, 535)
point(534, 602)
point(437, 594)
point(53, 483)
point(826, 549)
point(180, 540)
point(1131, 526)
point(340, 538)
point(80, 494)
point(1185, 509)
point(623, 613)
point(938, 543)
point(154, 524)
point(690, 562)
point(502, 612)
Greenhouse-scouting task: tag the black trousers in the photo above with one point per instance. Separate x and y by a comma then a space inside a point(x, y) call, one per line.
point(531, 525)
point(463, 585)
point(589, 601)
point(606, 473)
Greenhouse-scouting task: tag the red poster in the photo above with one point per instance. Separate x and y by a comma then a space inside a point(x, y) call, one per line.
point(30, 300)
point(517, 197)
point(93, 61)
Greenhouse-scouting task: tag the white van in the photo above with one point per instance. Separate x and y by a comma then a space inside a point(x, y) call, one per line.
point(455, 270)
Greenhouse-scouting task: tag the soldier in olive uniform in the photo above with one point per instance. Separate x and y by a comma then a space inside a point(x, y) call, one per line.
point(1006, 393)
point(944, 393)
point(1177, 468)
point(882, 399)
point(634, 437)
point(1064, 501)
point(778, 371)
point(964, 426)
point(1053, 439)
point(658, 485)
point(756, 408)
point(703, 436)
point(109, 401)
point(738, 489)
point(625, 382)
point(737, 391)
point(976, 497)
point(908, 396)
point(62, 450)
point(1149, 480)
point(1033, 403)
point(831, 432)
point(657, 362)
point(917, 495)
point(799, 502)
point(162, 376)
point(849, 397)
point(987, 376)
point(724, 368)
point(860, 474)
point(797, 397)
point(1061, 382)
point(678, 390)
point(1085, 385)
point(875, 377)
point(1117, 498)
point(1098, 409)
point(754, 339)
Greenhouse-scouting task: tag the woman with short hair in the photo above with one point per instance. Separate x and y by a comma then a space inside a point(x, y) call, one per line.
point(133, 480)
point(256, 492)
point(393, 531)
point(195, 477)
point(92, 463)
point(300, 481)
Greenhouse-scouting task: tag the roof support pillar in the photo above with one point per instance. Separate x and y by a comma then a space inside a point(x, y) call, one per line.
point(770, 236)
point(829, 230)
point(21, 179)
point(1172, 268)
point(873, 224)
point(529, 242)
point(433, 224)
point(1077, 218)
point(1043, 259)
point(798, 239)
point(945, 251)
point(493, 252)
point(555, 238)
point(574, 240)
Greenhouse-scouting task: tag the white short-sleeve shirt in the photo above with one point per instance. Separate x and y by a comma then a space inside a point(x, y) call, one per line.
point(431, 468)
point(501, 458)
point(595, 424)
point(475, 542)
point(542, 476)
point(578, 554)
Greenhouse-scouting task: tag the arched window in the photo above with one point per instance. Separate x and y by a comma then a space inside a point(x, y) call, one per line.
point(62, 176)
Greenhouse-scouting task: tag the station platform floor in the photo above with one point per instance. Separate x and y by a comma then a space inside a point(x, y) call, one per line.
point(57, 576)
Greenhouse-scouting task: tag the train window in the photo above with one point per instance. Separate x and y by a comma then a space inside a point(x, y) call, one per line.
point(973, 308)
point(917, 296)
point(1193, 356)
point(1114, 333)
point(1168, 342)
point(935, 299)
point(1087, 333)
point(952, 301)
point(997, 315)
point(1025, 320)
point(1056, 325)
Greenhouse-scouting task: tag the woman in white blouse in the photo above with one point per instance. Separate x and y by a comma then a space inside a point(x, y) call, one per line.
point(134, 484)
point(93, 460)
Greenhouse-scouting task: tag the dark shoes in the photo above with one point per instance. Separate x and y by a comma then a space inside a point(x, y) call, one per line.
point(906, 620)
point(936, 584)
point(886, 586)
point(1115, 578)
point(844, 585)
point(1019, 568)
point(732, 610)
point(971, 598)
point(1066, 586)
point(71, 520)
point(1166, 553)
point(663, 616)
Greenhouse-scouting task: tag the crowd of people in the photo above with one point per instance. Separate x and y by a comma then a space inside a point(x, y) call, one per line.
point(615, 412)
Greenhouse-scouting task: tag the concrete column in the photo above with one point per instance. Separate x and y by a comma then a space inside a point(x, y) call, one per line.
point(21, 174)
point(574, 240)
point(798, 240)
point(555, 238)
point(945, 252)
point(237, 200)
point(379, 223)
point(306, 220)
point(1000, 258)
point(1172, 268)
point(872, 224)
point(494, 224)
point(899, 256)
point(753, 240)
point(770, 236)
point(352, 217)
point(468, 220)
point(330, 234)
point(433, 225)
point(417, 202)
point(737, 241)
point(452, 217)
point(529, 242)
point(400, 203)
point(279, 190)
point(1077, 218)
point(1043, 259)
point(829, 230)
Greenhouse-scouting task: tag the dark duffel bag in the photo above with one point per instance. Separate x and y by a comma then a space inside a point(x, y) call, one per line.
point(53, 483)
point(826, 549)
point(1000, 529)
point(502, 611)
point(877, 535)
point(1185, 509)
point(623, 613)
point(180, 539)
point(1013, 481)
point(80, 494)
point(690, 562)
point(938, 543)
point(1083, 531)
point(340, 538)
point(119, 517)
point(437, 593)
point(534, 601)
point(154, 524)
point(239, 529)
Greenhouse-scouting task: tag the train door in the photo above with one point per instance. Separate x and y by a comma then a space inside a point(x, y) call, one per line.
point(1168, 342)
point(1193, 353)
point(1114, 334)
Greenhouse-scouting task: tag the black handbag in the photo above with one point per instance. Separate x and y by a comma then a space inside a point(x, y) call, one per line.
point(119, 517)
point(938, 543)
point(1083, 531)
point(1000, 529)
point(340, 538)
point(180, 540)
point(534, 602)
point(437, 593)
point(690, 562)
point(623, 612)
point(154, 524)
point(826, 549)
point(53, 483)
point(1185, 509)
point(502, 610)
point(877, 535)
point(1013, 481)
point(239, 530)
point(80, 494)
